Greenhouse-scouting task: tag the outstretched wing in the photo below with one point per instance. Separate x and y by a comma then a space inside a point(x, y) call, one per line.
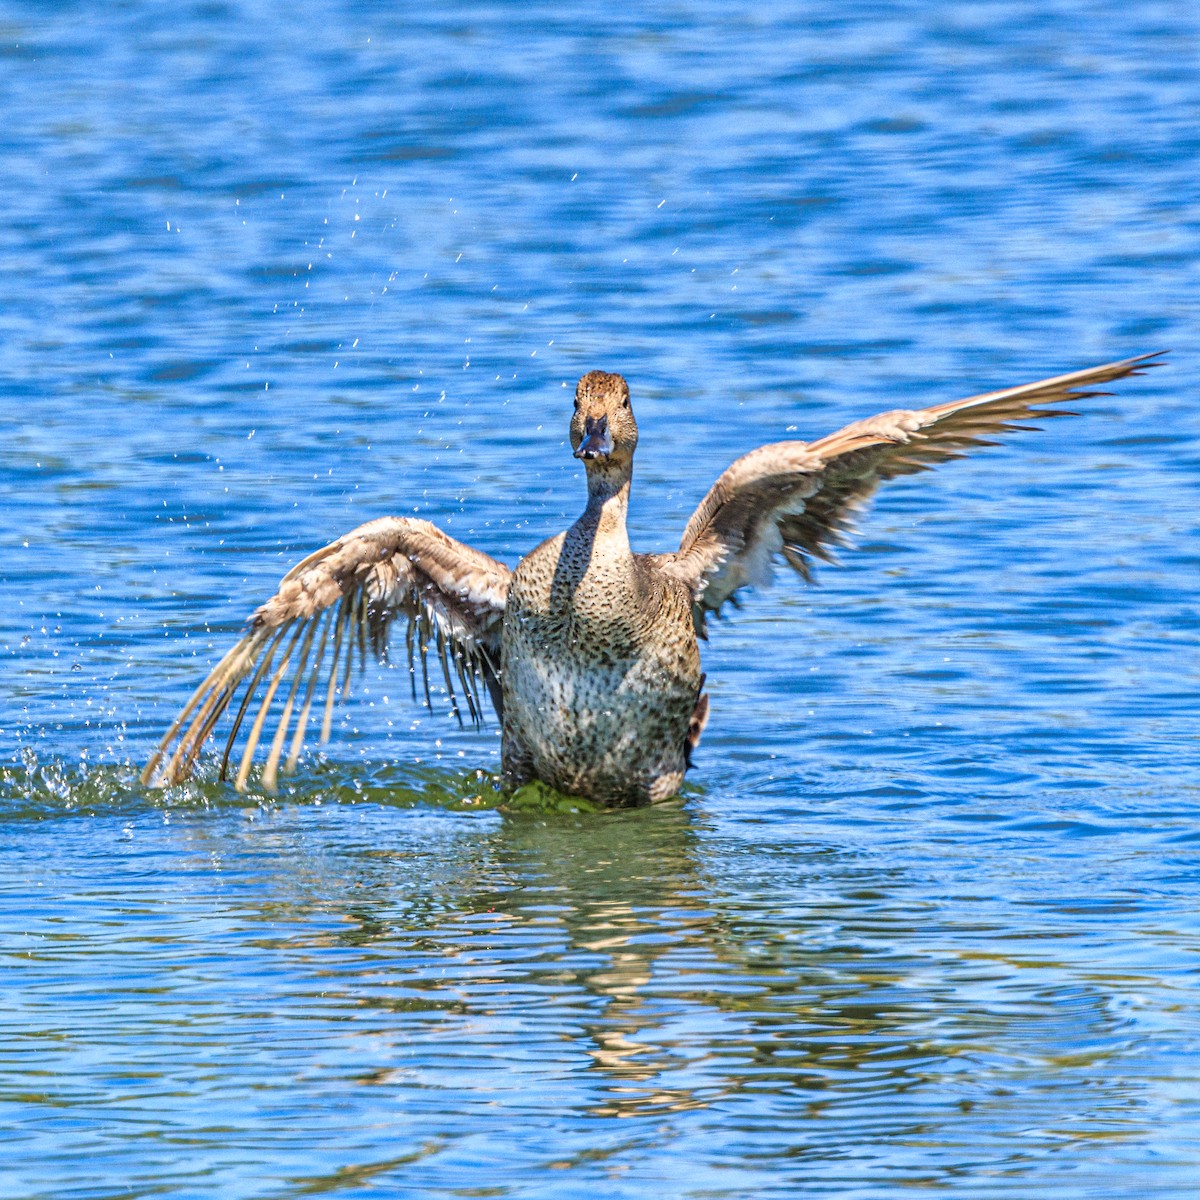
point(334, 606)
point(799, 499)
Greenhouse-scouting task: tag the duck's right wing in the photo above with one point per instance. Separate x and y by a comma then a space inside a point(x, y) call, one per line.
point(330, 609)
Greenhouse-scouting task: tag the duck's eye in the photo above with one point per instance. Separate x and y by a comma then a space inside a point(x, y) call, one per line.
point(626, 404)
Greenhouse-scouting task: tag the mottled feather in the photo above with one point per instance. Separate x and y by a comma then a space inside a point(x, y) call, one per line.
point(798, 500)
point(354, 589)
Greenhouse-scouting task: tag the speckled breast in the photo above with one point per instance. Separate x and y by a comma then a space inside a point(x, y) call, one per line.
point(600, 670)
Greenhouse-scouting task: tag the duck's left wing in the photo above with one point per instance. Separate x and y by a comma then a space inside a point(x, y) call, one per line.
point(799, 499)
point(329, 611)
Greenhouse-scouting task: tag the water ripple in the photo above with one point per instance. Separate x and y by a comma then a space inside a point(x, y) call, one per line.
point(925, 917)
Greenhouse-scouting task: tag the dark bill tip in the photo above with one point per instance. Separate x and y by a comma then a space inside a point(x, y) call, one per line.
point(597, 442)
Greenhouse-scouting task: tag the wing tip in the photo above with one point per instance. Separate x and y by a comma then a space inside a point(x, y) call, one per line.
point(1155, 358)
point(1126, 367)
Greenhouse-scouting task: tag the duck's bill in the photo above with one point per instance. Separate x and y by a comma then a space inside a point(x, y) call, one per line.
point(597, 444)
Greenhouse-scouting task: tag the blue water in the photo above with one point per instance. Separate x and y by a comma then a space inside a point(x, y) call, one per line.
point(926, 918)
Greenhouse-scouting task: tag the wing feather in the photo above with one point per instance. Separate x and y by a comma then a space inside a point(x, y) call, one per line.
point(798, 500)
point(450, 595)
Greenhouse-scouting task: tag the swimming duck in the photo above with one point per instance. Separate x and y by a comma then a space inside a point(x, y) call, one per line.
point(588, 651)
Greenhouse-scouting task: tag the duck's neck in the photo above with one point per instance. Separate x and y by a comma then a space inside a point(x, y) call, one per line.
point(608, 500)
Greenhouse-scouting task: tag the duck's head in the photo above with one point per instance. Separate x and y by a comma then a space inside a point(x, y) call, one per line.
point(603, 429)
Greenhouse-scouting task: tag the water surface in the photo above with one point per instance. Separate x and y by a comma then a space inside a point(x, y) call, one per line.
point(926, 918)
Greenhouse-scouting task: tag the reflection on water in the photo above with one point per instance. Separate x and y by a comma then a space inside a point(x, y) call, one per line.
point(637, 995)
point(926, 919)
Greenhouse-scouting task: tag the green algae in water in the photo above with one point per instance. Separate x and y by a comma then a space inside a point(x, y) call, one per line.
point(538, 797)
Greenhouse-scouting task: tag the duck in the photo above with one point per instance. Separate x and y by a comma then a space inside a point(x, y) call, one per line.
point(588, 652)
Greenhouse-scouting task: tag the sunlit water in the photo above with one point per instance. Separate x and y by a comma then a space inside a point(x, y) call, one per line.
point(927, 917)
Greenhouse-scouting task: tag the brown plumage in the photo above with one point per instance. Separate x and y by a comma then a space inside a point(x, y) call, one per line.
point(588, 651)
